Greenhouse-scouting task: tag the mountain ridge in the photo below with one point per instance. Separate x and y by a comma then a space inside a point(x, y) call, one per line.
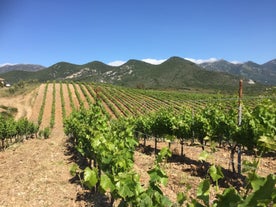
point(174, 73)
point(264, 73)
point(20, 67)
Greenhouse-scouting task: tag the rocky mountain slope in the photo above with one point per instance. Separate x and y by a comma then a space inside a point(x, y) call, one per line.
point(265, 73)
point(175, 73)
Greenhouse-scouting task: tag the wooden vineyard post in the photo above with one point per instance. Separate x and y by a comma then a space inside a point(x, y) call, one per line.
point(240, 106)
point(155, 145)
point(239, 124)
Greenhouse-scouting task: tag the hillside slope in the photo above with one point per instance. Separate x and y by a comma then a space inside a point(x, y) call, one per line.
point(265, 73)
point(23, 67)
point(175, 73)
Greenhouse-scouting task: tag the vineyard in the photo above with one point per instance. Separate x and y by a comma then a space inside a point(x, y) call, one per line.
point(158, 148)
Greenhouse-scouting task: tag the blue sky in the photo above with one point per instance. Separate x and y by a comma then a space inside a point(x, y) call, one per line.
point(79, 31)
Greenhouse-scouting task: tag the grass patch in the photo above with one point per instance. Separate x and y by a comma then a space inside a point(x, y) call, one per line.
point(15, 90)
point(7, 111)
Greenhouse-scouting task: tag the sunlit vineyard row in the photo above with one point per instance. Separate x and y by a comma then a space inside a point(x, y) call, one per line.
point(123, 102)
point(108, 145)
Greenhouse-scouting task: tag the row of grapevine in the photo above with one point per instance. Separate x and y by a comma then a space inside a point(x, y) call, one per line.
point(142, 100)
point(40, 115)
point(12, 131)
point(70, 97)
point(169, 98)
point(214, 124)
point(80, 100)
point(120, 101)
point(128, 102)
point(109, 146)
point(53, 110)
point(117, 103)
point(10, 135)
point(94, 93)
point(117, 100)
point(90, 91)
point(110, 104)
point(62, 102)
point(86, 95)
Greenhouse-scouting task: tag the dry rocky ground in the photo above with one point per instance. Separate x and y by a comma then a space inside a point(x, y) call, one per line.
point(36, 172)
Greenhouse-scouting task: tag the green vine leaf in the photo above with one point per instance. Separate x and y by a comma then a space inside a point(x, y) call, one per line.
point(203, 155)
point(181, 197)
point(106, 183)
point(203, 191)
point(74, 169)
point(145, 201)
point(90, 177)
point(215, 173)
point(158, 175)
point(123, 190)
point(263, 194)
point(229, 198)
point(163, 154)
point(267, 142)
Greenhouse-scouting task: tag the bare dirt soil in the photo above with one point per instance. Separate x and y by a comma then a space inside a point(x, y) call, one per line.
point(186, 172)
point(36, 172)
point(23, 103)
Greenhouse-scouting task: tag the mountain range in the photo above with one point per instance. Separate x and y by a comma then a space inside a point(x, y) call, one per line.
point(21, 67)
point(175, 73)
point(265, 73)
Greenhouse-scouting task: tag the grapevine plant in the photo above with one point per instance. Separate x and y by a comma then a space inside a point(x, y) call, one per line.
point(109, 148)
point(12, 131)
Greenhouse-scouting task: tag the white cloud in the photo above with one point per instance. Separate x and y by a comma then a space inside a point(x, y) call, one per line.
point(199, 61)
point(5, 64)
point(154, 61)
point(147, 60)
point(236, 62)
point(117, 63)
point(157, 62)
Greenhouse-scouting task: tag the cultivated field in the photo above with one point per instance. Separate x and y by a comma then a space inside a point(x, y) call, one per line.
point(36, 172)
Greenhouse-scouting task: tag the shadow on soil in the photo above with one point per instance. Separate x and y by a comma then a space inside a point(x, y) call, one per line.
point(84, 195)
point(200, 168)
